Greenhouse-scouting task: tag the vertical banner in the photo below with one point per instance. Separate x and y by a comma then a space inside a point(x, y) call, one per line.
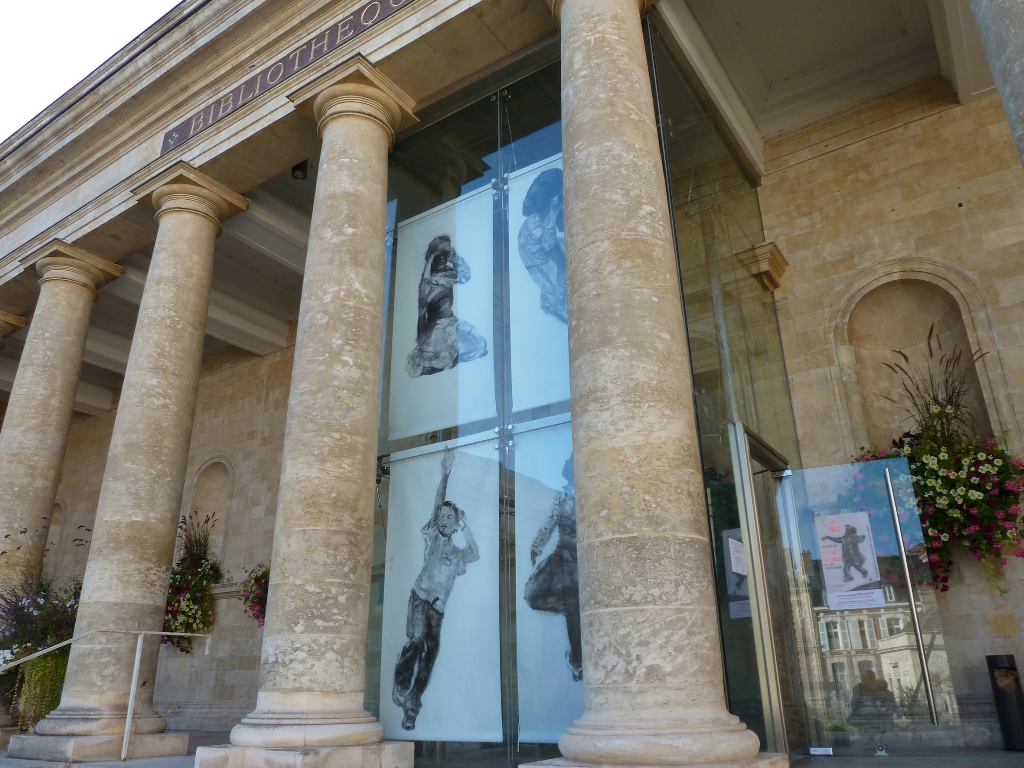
point(848, 561)
point(442, 365)
point(539, 330)
point(549, 656)
point(440, 668)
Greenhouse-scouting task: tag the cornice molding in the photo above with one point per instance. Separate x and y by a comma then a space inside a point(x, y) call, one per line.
point(82, 158)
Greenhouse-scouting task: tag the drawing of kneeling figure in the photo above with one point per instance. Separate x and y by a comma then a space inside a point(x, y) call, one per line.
point(442, 340)
point(443, 562)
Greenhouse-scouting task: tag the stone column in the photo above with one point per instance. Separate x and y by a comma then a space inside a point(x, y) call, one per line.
point(652, 660)
point(133, 538)
point(35, 429)
point(314, 643)
point(1001, 24)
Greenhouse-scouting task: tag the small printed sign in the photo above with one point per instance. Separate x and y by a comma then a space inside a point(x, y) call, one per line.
point(848, 561)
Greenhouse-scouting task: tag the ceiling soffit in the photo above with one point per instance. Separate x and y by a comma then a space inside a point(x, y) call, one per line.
point(796, 61)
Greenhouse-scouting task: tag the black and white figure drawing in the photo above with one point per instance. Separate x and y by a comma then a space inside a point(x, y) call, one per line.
point(539, 333)
point(849, 563)
point(554, 586)
point(443, 562)
point(440, 643)
point(442, 340)
point(441, 361)
point(548, 649)
point(539, 245)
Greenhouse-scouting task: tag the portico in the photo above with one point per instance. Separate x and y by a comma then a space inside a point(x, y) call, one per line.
point(250, 219)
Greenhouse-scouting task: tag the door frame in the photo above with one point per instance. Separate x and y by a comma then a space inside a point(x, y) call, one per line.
point(746, 445)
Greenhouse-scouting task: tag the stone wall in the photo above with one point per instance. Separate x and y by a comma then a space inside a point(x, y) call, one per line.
point(240, 418)
point(912, 186)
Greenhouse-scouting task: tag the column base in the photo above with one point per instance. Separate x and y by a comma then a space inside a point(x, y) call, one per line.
point(384, 754)
point(87, 749)
point(762, 760)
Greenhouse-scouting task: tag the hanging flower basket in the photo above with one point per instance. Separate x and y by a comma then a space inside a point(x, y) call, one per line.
point(254, 593)
point(189, 595)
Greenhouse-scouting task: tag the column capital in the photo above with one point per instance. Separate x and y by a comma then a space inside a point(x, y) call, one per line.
point(182, 187)
point(357, 99)
point(356, 87)
point(9, 323)
point(62, 261)
point(556, 8)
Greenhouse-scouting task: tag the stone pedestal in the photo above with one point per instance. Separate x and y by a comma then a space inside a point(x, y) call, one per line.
point(310, 701)
point(761, 760)
point(653, 679)
point(383, 754)
point(85, 749)
point(130, 558)
point(35, 428)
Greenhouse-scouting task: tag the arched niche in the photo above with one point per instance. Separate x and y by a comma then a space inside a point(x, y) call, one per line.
point(899, 315)
point(211, 495)
point(843, 369)
point(54, 541)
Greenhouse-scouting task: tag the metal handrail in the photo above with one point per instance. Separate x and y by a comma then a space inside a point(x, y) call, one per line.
point(135, 670)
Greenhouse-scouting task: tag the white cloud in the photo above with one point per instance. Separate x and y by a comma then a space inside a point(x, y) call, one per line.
point(48, 46)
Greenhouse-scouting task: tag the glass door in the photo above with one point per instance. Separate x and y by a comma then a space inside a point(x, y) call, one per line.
point(866, 638)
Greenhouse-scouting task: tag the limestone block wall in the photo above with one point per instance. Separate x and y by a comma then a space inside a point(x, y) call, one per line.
point(911, 186)
point(240, 418)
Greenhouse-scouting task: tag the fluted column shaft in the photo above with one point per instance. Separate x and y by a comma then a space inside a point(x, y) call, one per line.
point(35, 428)
point(133, 538)
point(1001, 24)
point(652, 659)
point(314, 644)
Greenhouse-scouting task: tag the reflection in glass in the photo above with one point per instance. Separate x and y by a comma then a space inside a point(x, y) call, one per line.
point(549, 658)
point(863, 683)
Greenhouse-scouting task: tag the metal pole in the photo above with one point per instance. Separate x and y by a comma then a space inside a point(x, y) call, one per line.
point(131, 696)
point(910, 597)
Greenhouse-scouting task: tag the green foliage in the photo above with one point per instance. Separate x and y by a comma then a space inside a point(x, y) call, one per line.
point(40, 681)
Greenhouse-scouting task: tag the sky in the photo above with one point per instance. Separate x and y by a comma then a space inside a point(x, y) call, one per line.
point(48, 46)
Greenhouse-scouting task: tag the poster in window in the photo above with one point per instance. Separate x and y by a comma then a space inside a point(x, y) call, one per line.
point(548, 642)
point(440, 674)
point(539, 323)
point(442, 354)
point(848, 561)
